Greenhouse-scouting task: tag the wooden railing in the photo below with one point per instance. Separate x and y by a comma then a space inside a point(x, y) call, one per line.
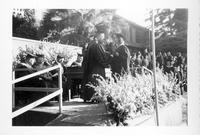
point(55, 91)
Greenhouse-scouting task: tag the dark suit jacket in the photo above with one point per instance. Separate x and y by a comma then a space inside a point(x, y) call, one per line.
point(120, 64)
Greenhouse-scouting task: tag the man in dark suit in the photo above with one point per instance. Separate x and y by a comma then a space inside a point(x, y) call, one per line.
point(121, 60)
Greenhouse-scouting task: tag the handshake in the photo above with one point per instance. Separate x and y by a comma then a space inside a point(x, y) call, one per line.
point(115, 54)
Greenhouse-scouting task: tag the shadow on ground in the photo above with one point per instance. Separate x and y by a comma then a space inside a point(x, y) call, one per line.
point(34, 118)
point(73, 114)
point(80, 114)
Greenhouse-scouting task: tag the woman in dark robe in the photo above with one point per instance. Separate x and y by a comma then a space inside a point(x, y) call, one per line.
point(94, 62)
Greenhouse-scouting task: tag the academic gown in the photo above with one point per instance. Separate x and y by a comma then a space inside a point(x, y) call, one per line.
point(94, 62)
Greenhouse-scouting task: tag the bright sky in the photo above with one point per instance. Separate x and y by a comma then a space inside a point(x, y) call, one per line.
point(135, 15)
point(39, 14)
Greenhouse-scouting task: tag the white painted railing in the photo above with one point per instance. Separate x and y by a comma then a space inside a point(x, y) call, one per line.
point(144, 68)
point(55, 91)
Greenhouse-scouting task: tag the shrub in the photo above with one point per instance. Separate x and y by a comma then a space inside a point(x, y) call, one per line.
point(127, 96)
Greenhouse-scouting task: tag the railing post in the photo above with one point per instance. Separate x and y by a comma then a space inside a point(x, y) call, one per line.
point(154, 69)
point(13, 90)
point(60, 87)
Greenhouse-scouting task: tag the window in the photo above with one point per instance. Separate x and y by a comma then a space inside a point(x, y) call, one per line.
point(140, 36)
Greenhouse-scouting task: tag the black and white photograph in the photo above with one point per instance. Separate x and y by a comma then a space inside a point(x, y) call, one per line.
point(98, 67)
point(87, 66)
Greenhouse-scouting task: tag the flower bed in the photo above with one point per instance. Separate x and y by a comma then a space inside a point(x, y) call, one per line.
point(128, 97)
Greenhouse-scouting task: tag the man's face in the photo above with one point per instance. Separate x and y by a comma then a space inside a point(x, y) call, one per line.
point(122, 41)
point(115, 39)
point(40, 60)
point(31, 61)
point(79, 59)
point(101, 36)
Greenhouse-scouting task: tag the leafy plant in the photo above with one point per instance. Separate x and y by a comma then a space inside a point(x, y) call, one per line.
point(127, 96)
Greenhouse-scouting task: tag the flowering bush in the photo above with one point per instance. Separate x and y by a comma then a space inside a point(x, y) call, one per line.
point(127, 96)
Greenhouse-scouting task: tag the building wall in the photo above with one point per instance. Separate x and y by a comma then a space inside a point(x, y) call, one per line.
point(135, 35)
point(138, 36)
